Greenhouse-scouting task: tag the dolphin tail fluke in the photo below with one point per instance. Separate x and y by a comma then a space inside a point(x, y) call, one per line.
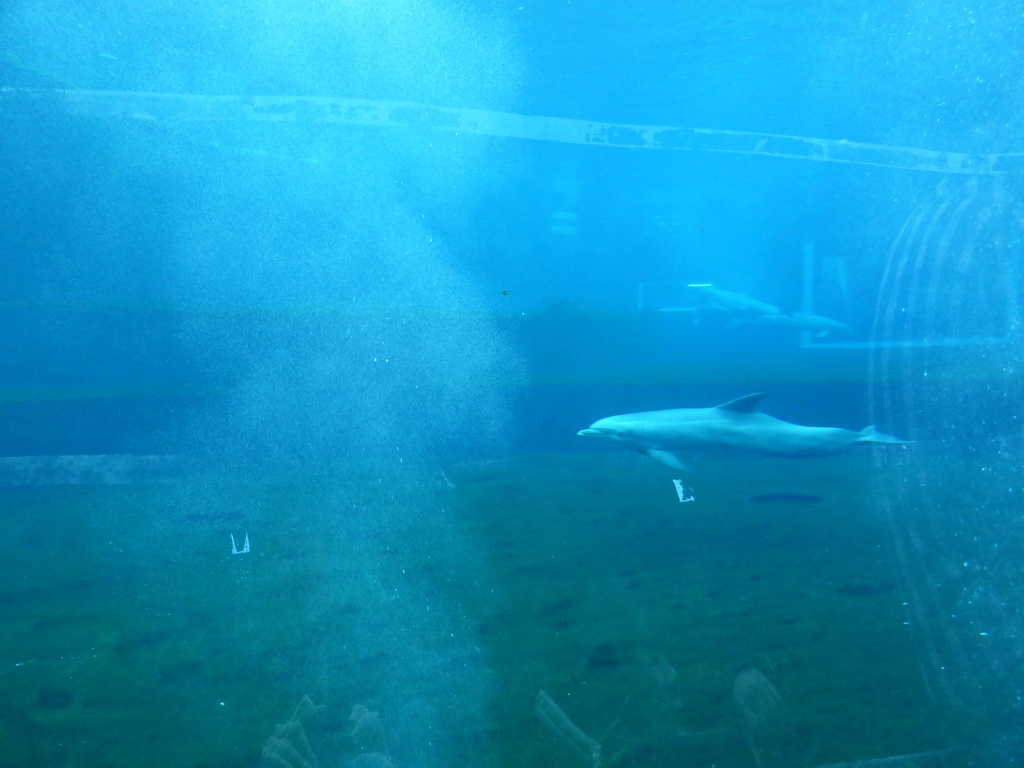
point(871, 435)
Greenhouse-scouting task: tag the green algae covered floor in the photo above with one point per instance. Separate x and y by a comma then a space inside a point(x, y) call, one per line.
point(445, 597)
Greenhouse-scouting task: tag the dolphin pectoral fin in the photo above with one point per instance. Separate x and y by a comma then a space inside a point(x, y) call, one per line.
point(871, 435)
point(745, 404)
point(668, 459)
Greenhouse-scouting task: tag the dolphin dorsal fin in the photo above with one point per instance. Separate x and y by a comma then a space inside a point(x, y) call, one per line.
point(745, 404)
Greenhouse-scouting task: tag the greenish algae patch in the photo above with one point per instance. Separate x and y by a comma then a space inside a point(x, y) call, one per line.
point(446, 597)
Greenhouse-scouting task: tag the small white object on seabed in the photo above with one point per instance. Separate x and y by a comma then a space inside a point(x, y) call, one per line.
point(245, 545)
point(685, 494)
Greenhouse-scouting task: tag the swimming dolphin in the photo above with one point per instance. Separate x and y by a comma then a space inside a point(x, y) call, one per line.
point(738, 306)
point(733, 428)
point(819, 325)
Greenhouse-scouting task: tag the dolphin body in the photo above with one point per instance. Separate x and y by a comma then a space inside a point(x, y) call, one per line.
point(738, 306)
point(819, 325)
point(733, 428)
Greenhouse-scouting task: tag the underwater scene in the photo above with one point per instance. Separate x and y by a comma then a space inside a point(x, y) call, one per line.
point(421, 383)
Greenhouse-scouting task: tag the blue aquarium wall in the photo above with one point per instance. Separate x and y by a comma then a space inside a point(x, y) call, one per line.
point(160, 290)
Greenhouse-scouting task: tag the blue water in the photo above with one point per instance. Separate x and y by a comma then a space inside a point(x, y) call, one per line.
point(367, 333)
